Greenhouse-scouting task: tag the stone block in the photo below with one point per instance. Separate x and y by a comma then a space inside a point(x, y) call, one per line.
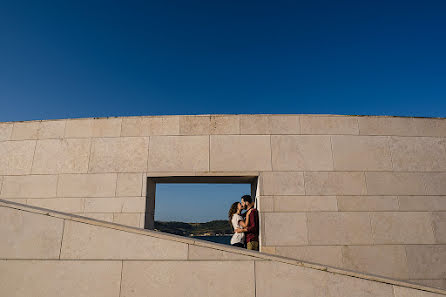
point(52, 129)
point(187, 278)
point(396, 126)
point(439, 226)
point(280, 279)
point(108, 217)
point(129, 184)
point(329, 125)
point(204, 253)
point(285, 124)
point(418, 153)
point(24, 278)
point(1, 184)
point(27, 235)
point(115, 204)
point(167, 125)
point(255, 124)
point(384, 260)
point(29, 186)
point(395, 183)
point(346, 228)
point(335, 183)
point(409, 292)
point(402, 228)
point(134, 126)
point(127, 219)
point(301, 152)
point(16, 157)
point(71, 205)
point(25, 130)
point(83, 241)
point(422, 203)
point(225, 124)
point(282, 183)
point(295, 232)
point(361, 153)
point(265, 203)
point(54, 156)
point(124, 154)
point(179, 153)
point(104, 127)
point(240, 153)
point(435, 183)
point(305, 203)
point(195, 125)
point(5, 131)
point(78, 128)
point(433, 283)
point(324, 255)
point(430, 127)
point(87, 185)
point(426, 261)
point(367, 203)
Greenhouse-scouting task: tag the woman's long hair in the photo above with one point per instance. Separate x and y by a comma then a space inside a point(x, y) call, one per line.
point(232, 210)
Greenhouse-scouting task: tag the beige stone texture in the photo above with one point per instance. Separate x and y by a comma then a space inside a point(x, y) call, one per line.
point(16, 157)
point(54, 156)
point(29, 236)
point(71, 205)
point(305, 203)
point(52, 129)
point(282, 183)
point(280, 279)
point(29, 186)
point(433, 283)
point(335, 183)
point(325, 255)
point(387, 126)
point(108, 217)
point(167, 125)
point(1, 184)
point(179, 153)
point(439, 227)
point(240, 153)
point(195, 125)
point(337, 228)
point(115, 204)
point(409, 292)
point(255, 124)
point(402, 228)
point(87, 185)
point(125, 154)
point(265, 203)
point(301, 152)
point(25, 130)
point(268, 249)
point(285, 124)
point(77, 128)
point(204, 253)
point(435, 183)
point(127, 219)
point(222, 124)
point(361, 153)
point(134, 126)
point(367, 203)
point(395, 183)
point(430, 127)
point(384, 260)
point(295, 232)
point(329, 125)
point(104, 127)
point(418, 153)
point(129, 184)
point(422, 203)
point(5, 131)
point(188, 278)
point(25, 278)
point(22, 201)
point(83, 241)
point(426, 261)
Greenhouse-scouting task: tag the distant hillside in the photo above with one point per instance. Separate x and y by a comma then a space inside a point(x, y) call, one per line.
point(218, 227)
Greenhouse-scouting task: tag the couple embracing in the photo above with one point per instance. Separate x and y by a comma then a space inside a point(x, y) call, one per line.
point(246, 226)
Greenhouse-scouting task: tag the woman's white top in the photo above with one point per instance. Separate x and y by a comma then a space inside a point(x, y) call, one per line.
point(237, 237)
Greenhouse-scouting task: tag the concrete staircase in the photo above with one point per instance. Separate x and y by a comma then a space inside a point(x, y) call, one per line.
point(48, 253)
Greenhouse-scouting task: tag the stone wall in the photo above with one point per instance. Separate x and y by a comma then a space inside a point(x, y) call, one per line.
point(362, 193)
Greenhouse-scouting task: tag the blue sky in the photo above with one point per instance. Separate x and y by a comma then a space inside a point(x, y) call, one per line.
point(63, 59)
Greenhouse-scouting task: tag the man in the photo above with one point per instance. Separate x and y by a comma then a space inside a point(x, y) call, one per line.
point(252, 226)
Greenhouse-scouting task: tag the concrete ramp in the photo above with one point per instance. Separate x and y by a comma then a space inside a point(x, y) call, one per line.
point(45, 253)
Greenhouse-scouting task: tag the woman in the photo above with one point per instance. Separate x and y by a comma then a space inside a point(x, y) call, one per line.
point(237, 222)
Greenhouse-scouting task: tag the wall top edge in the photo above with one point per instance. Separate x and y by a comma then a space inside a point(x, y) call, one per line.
point(256, 255)
point(222, 115)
